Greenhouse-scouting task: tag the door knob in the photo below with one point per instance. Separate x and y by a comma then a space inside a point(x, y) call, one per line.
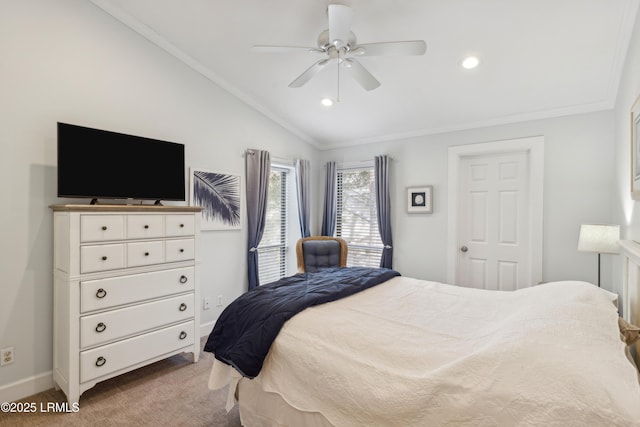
point(464, 249)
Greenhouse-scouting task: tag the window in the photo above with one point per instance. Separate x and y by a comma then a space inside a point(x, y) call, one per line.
point(272, 251)
point(357, 219)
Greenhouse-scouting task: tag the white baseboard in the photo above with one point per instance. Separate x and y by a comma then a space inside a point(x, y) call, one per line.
point(26, 387)
point(206, 328)
point(41, 382)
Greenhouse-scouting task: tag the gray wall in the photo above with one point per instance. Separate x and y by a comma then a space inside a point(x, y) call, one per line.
point(626, 210)
point(577, 185)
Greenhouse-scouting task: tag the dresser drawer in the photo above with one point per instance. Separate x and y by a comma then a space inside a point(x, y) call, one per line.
point(111, 325)
point(145, 253)
point(115, 291)
point(179, 250)
point(144, 226)
point(96, 228)
point(101, 257)
point(179, 225)
point(104, 360)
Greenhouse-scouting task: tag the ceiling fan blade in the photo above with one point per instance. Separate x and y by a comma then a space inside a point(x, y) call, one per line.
point(309, 73)
point(360, 74)
point(284, 49)
point(340, 18)
point(412, 47)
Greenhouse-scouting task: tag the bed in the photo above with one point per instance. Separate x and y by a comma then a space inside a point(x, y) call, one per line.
point(415, 353)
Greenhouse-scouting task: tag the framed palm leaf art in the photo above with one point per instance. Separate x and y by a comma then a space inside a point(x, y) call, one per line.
point(218, 194)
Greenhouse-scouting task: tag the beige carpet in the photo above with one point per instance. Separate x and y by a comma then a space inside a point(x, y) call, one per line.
point(172, 392)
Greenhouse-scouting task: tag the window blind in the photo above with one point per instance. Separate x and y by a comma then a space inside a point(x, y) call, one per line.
point(272, 251)
point(357, 219)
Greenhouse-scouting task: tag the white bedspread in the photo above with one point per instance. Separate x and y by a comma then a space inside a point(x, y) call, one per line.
point(416, 353)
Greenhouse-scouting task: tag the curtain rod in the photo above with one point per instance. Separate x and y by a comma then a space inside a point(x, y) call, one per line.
point(367, 160)
point(280, 159)
point(354, 163)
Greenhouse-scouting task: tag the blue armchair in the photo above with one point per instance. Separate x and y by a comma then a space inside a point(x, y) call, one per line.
point(318, 252)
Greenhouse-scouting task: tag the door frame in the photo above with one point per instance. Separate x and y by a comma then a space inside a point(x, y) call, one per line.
point(534, 147)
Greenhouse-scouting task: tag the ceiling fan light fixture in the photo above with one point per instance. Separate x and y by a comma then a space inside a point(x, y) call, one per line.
point(338, 44)
point(470, 62)
point(327, 102)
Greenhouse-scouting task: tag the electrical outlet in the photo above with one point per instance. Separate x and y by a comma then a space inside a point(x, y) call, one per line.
point(205, 303)
point(6, 356)
point(219, 300)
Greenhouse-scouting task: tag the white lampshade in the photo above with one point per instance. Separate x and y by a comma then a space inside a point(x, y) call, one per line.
point(599, 238)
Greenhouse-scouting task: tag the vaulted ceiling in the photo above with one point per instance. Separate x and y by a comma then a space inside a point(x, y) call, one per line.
point(538, 59)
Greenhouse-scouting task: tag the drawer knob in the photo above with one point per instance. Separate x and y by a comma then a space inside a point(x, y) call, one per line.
point(181, 250)
point(104, 258)
point(146, 227)
point(183, 307)
point(101, 293)
point(100, 361)
point(183, 279)
point(183, 335)
point(146, 254)
point(101, 327)
point(181, 225)
point(104, 228)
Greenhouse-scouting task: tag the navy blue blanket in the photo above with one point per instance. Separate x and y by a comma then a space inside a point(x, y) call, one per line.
point(245, 330)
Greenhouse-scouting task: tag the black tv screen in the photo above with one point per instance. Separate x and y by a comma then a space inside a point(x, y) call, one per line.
point(96, 163)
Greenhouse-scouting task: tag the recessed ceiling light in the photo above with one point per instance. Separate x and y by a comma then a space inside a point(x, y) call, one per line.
point(470, 62)
point(327, 102)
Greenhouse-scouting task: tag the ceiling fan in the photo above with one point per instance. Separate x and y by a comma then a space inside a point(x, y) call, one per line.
point(338, 45)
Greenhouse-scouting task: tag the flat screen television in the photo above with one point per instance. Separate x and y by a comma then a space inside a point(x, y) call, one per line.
point(100, 164)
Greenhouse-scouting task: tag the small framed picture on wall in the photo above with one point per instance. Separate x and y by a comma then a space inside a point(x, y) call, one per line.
point(420, 199)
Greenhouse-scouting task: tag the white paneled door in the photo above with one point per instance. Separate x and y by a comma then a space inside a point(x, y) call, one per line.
point(494, 229)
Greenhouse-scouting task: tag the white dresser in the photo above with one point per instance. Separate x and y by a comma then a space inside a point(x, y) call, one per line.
point(126, 290)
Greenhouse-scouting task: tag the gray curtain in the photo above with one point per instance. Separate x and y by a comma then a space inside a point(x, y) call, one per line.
point(330, 210)
point(383, 200)
point(303, 178)
point(258, 165)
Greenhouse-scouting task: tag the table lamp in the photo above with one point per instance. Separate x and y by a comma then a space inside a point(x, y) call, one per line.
point(599, 238)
